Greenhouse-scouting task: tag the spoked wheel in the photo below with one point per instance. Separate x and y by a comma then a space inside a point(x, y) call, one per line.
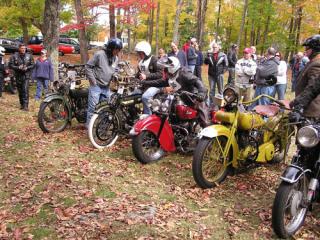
point(53, 116)
point(281, 152)
point(146, 147)
point(209, 167)
point(289, 209)
point(103, 129)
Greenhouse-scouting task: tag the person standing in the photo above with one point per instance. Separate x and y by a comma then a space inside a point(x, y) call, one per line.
point(266, 77)
point(218, 63)
point(162, 53)
point(192, 55)
point(199, 63)
point(180, 54)
point(22, 64)
point(232, 60)
point(2, 69)
point(298, 64)
point(281, 84)
point(245, 70)
point(253, 54)
point(42, 73)
point(99, 70)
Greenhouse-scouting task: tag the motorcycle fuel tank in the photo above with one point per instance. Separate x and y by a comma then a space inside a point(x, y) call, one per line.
point(185, 112)
point(250, 120)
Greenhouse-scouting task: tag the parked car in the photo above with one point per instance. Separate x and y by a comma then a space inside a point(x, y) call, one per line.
point(63, 49)
point(71, 42)
point(32, 39)
point(10, 45)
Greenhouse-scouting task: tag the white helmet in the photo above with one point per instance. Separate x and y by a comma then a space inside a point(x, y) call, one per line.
point(143, 47)
point(2, 51)
point(171, 63)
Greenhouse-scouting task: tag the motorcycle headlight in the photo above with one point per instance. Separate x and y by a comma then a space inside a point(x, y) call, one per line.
point(308, 136)
point(165, 106)
point(230, 95)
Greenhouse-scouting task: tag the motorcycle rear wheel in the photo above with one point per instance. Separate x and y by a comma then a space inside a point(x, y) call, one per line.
point(53, 116)
point(287, 213)
point(208, 166)
point(103, 129)
point(146, 147)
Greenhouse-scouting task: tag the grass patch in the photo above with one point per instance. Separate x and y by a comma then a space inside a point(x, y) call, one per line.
point(105, 192)
point(68, 202)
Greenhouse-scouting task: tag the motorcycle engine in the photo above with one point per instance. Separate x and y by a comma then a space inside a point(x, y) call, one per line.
point(249, 142)
point(81, 110)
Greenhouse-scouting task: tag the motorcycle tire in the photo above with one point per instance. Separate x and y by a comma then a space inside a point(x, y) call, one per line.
point(202, 157)
point(102, 130)
point(11, 88)
point(143, 143)
point(283, 204)
point(53, 116)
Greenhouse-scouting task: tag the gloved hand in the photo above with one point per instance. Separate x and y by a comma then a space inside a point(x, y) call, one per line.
point(294, 116)
point(201, 97)
point(271, 80)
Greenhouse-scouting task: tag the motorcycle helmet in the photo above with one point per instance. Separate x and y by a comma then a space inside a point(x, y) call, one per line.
point(113, 43)
point(143, 47)
point(313, 42)
point(2, 51)
point(171, 64)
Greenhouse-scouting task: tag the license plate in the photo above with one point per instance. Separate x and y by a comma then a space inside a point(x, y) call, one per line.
point(120, 90)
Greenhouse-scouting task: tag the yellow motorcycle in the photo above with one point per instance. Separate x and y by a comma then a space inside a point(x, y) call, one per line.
point(242, 138)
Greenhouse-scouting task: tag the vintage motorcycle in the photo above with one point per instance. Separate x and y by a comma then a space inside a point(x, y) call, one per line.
point(61, 106)
point(243, 138)
point(116, 116)
point(9, 84)
point(299, 187)
point(173, 126)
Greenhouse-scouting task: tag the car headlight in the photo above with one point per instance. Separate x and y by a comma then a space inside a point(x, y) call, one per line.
point(308, 136)
point(230, 95)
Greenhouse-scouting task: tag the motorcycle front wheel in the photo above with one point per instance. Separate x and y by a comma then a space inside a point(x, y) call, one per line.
point(146, 147)
point(53, 116)
point(209, 167)
point(103, 129)
point(289, 211)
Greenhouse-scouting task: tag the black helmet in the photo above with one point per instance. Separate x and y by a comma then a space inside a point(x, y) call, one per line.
point(313, 42)
point(113, 43)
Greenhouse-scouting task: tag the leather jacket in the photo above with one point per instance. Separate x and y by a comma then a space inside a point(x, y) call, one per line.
point(21, 64)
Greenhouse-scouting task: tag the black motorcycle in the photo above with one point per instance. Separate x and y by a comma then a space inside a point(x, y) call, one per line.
point(300, 182)
point(61, 106)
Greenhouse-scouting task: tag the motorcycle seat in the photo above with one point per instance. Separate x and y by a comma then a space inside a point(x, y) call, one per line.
point(267, 110)
point(79, 93)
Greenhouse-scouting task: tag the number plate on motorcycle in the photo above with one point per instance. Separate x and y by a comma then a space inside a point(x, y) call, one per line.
point(120, 90)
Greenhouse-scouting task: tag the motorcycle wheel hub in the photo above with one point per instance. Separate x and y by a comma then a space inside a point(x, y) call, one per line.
point(296, 203)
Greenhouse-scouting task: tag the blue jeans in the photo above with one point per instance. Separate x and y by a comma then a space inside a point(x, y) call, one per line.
point(281, 90)
point(267, 90)
point(191, 67)
point(41, 82)
point(213, 81)
point(96, 94)
point(148, 94)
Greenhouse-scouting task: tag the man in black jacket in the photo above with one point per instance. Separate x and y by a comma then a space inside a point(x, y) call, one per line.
point(149, 73)
point(22, 63)
point(2, 52)
point(232, 60)
point(181, 79)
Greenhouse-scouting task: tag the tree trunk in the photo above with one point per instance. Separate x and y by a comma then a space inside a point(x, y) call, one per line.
point(175, 37)
point(24, 26)
point(112, 21)
point(157, 27)
point(151, 23)
point(50, 32)
point(290, 38)
point(252, 34)
point(218, 20)
point(82, 32)
point(266, 30)
point(244, 14)
point(299, 20)
point(201, 16)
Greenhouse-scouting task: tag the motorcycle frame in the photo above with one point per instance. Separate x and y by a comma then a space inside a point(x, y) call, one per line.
point(221, 130)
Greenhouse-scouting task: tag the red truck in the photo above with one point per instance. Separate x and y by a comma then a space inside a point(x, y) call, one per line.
point(63, 49)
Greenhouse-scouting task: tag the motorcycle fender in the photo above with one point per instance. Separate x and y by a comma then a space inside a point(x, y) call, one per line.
point(52, 96)
point(220, 130)
point(152, 124)
point(101, 106)
point(293, 173)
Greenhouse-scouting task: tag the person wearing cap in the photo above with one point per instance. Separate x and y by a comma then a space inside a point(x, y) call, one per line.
point(22, 64)
point(266, 77)
point(232, 60)
point(2, 69)
point(42, 73)
point(245, 69)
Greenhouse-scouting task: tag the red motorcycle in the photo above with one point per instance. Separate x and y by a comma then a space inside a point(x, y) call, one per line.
point(173, 126)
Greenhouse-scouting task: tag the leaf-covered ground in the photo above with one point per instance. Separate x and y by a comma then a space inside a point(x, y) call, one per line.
point(59, 187)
